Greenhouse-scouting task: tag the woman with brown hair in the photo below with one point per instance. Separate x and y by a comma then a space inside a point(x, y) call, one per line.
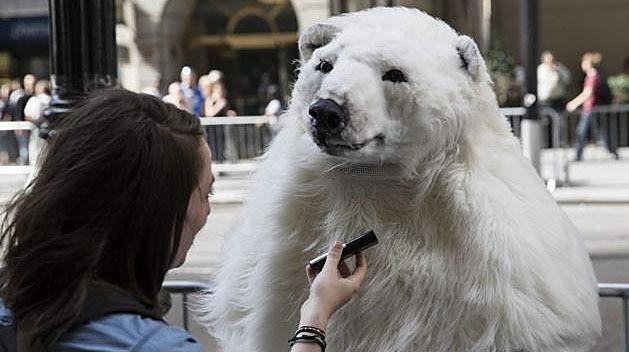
point(122, 192)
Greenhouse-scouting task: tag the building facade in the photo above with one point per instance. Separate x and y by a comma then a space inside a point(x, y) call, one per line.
point(23, 38)
point(570, 28)
point(254, 41)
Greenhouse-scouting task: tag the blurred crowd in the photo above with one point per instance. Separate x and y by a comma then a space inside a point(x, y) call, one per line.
point(24, 100)
point(206, 96)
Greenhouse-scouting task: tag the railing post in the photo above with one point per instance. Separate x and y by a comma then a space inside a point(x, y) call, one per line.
point(565, 123)
point(184, 310)
point(613, 138)
point(625, 325)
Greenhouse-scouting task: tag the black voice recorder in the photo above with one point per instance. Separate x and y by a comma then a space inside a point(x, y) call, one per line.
point(361, 243)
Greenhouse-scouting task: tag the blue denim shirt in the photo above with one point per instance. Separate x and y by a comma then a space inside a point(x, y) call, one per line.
point(120, 332)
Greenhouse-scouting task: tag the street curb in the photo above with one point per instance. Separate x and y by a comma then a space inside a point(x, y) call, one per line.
point(578, 201)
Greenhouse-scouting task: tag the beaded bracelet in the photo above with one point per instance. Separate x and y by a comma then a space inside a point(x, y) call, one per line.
point(309, 334)
point(312, 329)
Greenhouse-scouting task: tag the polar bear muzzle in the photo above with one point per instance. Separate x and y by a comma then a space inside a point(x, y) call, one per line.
point(327, 119)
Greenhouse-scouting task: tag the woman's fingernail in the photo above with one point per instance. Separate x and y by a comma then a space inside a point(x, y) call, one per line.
point(338, 245)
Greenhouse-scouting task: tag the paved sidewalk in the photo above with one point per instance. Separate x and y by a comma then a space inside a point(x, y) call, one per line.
point(598, 179)
point(596, 199)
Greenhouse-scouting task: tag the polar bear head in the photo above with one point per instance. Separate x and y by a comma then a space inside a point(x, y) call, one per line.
point(388, 85)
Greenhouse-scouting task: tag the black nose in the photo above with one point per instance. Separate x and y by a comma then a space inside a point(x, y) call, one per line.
point(327, 116)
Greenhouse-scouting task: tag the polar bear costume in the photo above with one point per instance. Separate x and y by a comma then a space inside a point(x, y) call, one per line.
point(393, 126)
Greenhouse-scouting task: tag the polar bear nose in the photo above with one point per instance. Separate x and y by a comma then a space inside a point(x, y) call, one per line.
point(327, 116)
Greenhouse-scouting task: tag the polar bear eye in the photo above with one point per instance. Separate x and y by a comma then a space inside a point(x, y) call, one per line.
point(324, 66)
point(394, 76)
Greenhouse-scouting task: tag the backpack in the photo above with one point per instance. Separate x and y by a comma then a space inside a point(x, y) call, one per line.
point(100, 301)
point(603, 93)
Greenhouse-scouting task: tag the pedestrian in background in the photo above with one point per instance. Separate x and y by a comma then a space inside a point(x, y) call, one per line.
point(175, 96)
point(17, 103)
point(37, 104)
point(590, 63)
point(553, 79)
point(273, 110)
point(215, 102)
point(213, 108)
point(191, 90)
point(5, 91)
point(220, 137)
point(34, 112)
point(5, 136)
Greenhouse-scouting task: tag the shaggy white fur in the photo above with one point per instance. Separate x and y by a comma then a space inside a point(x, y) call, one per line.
point(475, 255)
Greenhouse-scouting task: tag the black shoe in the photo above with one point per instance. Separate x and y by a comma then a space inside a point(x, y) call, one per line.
point(616, 156)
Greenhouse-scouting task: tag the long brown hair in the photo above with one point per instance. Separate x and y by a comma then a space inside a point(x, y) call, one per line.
point(108, 205)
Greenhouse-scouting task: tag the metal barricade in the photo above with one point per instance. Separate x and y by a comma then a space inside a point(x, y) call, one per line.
point(554, 128)
point(553, 137)
point(613, 120)
point(237, 140)
point(233, 139)
point(242, 138)
point(184, 288)
point(16, 126)
point(607, 290)
point(514, 116)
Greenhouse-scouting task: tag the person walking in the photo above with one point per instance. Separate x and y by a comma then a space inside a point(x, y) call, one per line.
point(590, 63)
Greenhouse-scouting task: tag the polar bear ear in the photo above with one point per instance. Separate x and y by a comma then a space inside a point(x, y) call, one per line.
point(314, 37)
point(471, 59)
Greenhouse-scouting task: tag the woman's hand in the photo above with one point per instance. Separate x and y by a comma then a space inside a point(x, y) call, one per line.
point(331, 288)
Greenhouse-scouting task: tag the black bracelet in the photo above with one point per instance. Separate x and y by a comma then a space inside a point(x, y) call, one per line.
point(304, 338)
point(310, 329)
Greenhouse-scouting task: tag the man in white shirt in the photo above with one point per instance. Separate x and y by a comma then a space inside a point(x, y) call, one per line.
point(553, 79)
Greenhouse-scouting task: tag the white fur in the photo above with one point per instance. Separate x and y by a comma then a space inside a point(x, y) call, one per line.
point(475, 255)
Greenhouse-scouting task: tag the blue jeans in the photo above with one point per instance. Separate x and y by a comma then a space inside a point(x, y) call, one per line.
point(589, 122)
